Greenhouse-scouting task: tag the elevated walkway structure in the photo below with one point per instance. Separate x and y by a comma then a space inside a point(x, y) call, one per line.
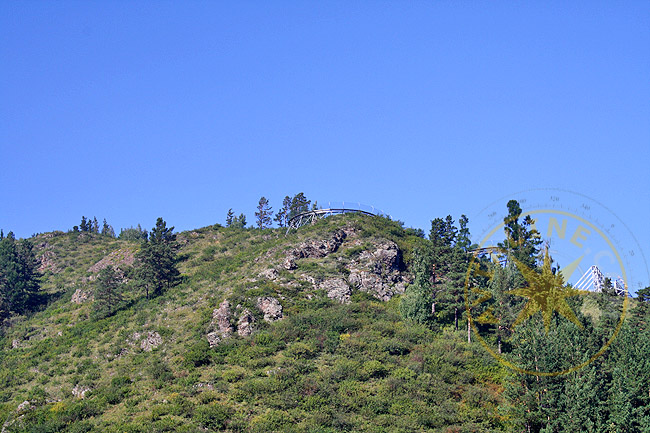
point(495, 254)
point(333, 208)
point(594, 281)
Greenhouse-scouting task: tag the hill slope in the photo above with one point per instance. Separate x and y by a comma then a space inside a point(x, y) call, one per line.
point(266, 332)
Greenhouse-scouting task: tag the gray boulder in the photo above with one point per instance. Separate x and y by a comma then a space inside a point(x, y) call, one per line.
point(270, 307)
point(337, 289)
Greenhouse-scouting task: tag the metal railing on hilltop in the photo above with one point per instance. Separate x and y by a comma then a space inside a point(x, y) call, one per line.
point(333, 208)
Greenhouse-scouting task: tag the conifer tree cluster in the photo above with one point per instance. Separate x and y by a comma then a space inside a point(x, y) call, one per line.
point(133, 233)
point(88, 225)
point(437, 295)
point(19, 276)
point(291, 206)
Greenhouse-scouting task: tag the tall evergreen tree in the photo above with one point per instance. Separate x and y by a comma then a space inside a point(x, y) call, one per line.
point(107, 294)
point(440, 266)
point(523, 241)
point(299, 204)
point(230, 218)
point(157, 259)
point(282, 215)
point(107, 229)
point(463, 240)
point(19, 276)
point(263, 214)
point(416, 303)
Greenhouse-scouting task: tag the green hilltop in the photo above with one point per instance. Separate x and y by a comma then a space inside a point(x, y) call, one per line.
point(327, 328)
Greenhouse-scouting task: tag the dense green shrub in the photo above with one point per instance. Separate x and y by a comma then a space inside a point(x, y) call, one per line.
point(213, 416)
point(198, 354)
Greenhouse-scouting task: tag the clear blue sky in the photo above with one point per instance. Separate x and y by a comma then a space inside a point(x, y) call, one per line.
point(133, 110)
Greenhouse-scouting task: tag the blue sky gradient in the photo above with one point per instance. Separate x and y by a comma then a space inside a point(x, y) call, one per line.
point(133, 110)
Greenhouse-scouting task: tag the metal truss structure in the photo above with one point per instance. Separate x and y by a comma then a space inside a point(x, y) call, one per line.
point(314, 215)
point(594, 281)
point(496, 254)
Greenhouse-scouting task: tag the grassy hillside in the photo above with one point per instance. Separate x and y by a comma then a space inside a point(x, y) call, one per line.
point(328, 364)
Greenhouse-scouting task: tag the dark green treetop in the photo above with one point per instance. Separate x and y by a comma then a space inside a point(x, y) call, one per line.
point(157, 259)
point(263, 214)
point(108, 293)
point(19, 276)
point(522, 239)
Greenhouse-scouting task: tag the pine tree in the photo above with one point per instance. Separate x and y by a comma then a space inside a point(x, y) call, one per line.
point(84, 224)
point(95, 226)
point(299, 204)
point(282, 215)
point(107, 230)
point(108, 293)
point(157, 259)
point(263, 213)
point(440, 268)
point(20, 279)
point(230, 218)
point(241, 221)
point(416, 303)
point(522, 239)
point(463, 240)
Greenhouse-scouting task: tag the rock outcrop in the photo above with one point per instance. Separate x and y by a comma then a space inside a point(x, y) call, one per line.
point(269, 274)
point(24, 406)
point(314, 248)
point(148, 341)
point(270, 307)
point(378, 272)
point(336, 289)
point(48, 262)
point(119, 259)
point(220, 325)
point(80, 391)
point(151, 341)
point(80, 296)
point(245, 323)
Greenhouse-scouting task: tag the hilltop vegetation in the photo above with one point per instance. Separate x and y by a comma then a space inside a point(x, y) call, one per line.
point(329, 328)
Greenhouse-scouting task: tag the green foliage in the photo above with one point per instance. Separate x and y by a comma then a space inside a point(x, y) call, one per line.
point(107, 229)
point(238, 222)
point(326, 366)
point(282, 215)
point(19, 277)
point(157, 260)
point(213, 416)
point(299, 204)
point(439, 267)
point(133, 234)
point(522, 239)
point(159, 371)
point(230, 217)
point(198, 354)
point(264, 214)
point(108, 293)
point(416, 304)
